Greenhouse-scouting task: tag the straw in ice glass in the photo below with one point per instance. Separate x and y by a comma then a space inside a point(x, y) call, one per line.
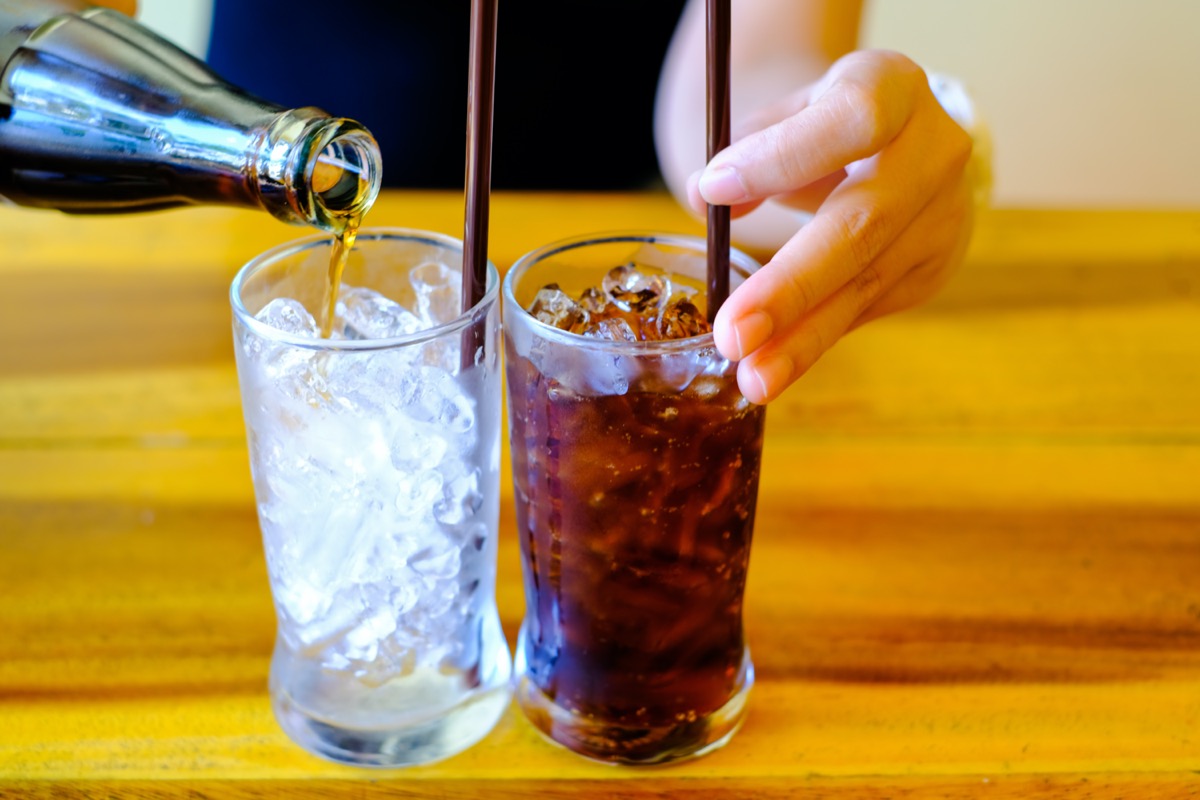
point(480, 93)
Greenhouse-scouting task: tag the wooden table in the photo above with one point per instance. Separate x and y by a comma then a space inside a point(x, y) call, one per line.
point(976, 569)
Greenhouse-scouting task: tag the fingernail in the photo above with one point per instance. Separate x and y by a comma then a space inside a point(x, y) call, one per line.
point(770, 376)
point(722, 186)
point(751, 331)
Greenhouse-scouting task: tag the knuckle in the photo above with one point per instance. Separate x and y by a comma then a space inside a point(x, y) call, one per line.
point(900, 70)
point(801, 294)
point(902, 65)
point(868, 118)
point(868, 285)
point(772, 159)
point(875, 90)
point(784, 156)
point(815, 345)
point(892, 61)
point(862, 229)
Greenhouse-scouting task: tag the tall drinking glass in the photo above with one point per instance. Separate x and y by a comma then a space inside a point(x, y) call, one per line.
point(636, 467)
point(375, 457)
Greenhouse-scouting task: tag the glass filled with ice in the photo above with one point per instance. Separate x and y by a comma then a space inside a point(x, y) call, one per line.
point(375, 458)
point(635, 467)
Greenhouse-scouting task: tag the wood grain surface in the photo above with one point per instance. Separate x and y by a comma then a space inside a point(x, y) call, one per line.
point(976, 568)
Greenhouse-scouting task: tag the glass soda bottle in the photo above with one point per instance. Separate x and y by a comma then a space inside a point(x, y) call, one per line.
point(99, 115)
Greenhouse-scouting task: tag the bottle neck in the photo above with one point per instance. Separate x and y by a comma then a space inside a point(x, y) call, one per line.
point(100, 115)
point(307, 167)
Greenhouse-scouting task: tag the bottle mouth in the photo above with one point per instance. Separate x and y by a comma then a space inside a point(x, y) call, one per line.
point(314, 169)
point(345, 173)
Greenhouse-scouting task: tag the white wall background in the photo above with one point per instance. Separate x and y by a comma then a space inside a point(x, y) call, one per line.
point(188, 23)
point(1091, 103)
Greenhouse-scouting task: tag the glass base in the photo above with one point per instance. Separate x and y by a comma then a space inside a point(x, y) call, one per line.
point(625, 744)
point(415, 719)
point(421, 743)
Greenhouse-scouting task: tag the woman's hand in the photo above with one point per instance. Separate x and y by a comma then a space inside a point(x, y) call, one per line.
point(870, 151)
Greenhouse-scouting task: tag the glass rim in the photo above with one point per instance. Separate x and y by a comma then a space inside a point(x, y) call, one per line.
point(737, 259)
point(272, 255)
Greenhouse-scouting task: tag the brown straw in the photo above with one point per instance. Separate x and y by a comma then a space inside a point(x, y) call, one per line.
point(480, 92)
point(718, 140)
point(481, 84)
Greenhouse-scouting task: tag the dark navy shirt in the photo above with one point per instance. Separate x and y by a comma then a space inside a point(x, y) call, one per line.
point(575, 81)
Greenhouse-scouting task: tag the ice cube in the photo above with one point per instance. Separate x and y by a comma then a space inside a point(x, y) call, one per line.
point(706, 387)
point(415, 446)
point(441, 353)
point(294, 383)
point(613, 329)
point(367, 314)
point(416, 492)
point(289, 316)
point(393, 660)
point(623, 278)
point(402, 593)
point(593, 300)
point(338, 616)
point(681, 319)
point(428, 619)
point(429, 394)
point(363, 641)
point(681, 291)
point(365, 502)
point(364, 383)
point(438, 560)
point(439, 290)
point(460, 500)
point(555, 307)
point(634, 290)
point(332, 554)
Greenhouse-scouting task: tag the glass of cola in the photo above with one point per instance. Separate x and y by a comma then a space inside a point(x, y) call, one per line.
point(635, 468)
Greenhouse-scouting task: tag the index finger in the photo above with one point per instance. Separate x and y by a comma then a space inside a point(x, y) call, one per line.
point(867, 98)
